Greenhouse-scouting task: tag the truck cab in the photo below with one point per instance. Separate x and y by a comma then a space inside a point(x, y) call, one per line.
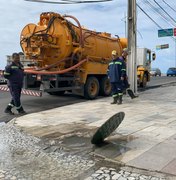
point(144, 59)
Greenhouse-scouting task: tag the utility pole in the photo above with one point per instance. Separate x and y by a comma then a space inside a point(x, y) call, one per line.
point(125, 21)
point(131, 63)
point(175, 52)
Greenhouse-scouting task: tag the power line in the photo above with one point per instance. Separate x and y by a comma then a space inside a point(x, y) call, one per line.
point(165, 11)
point(153, 20)
point(68, 1)
point(169, 5)
point(149, 16)
point(155, 10)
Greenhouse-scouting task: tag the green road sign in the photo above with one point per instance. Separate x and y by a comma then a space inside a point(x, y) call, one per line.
point(165, 32)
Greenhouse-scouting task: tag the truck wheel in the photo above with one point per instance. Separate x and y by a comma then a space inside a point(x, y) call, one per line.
point(91, 88)
point(144, 81)
point(105, 86)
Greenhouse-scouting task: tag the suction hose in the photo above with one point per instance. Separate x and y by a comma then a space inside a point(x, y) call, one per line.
point(32, 71)
point(80, 28)
point(53, 65)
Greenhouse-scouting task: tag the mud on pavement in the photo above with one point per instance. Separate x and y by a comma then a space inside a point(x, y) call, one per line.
point(25, 157)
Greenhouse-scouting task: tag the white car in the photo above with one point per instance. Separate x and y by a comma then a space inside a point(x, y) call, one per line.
point(2, 80)
point(155, 72)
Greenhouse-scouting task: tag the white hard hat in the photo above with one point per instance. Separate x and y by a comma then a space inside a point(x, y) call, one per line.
point(125, 50)
point(114, 52)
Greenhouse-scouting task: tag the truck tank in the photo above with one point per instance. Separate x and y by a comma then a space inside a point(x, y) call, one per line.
point(55, 44)
point(66, 57)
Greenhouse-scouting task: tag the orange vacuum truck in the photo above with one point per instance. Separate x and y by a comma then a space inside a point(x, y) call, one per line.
point(64, 56)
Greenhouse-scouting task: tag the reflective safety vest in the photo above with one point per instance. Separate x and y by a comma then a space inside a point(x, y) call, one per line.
point(14, 73)
point(116, 70)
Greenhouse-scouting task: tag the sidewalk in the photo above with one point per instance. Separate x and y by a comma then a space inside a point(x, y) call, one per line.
point(145, 139)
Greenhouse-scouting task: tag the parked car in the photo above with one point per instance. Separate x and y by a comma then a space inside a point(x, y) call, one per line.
point(171, 71)
point(155, 72)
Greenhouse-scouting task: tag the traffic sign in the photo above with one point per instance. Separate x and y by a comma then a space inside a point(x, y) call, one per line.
point(174, 31)
point(163, 46)
point(158, 47)
point(165, 32)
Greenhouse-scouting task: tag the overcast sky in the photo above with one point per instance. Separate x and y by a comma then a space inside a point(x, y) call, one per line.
point(105, 17)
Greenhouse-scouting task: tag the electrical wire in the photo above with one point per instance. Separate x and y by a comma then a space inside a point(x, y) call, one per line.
point(155, 10)
point(149, 16)
point(153, 20)
point(169, 6)
point(68, 1)
point(164, 11)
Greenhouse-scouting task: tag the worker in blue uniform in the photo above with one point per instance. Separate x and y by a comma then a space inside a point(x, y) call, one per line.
point(116, 74)
point(14, 73)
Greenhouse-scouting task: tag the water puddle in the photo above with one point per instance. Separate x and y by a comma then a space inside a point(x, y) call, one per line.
point(110, 150)
point(112, 147)
point(118, 138)
point(72, 144)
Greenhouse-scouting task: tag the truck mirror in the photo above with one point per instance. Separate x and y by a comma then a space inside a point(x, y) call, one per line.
point(153, 56)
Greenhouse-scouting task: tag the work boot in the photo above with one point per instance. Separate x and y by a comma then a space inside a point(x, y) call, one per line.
point(114, 100)
point(131, 94)
point(119, 100)
point(21, 110)
point(8, 110)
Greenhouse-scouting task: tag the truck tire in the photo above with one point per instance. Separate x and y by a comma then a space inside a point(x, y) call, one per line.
point(91, 88)
point(105, 86)
point(144, 81)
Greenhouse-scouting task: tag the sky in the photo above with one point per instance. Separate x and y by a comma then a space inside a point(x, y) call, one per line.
point(103, 17)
